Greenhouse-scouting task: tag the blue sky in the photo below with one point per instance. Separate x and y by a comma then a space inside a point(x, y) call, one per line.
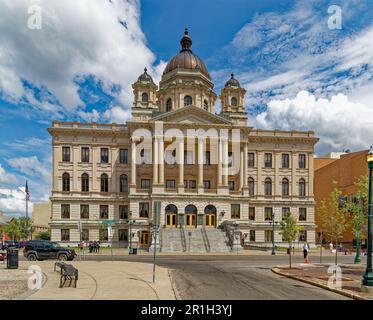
point(79, 66)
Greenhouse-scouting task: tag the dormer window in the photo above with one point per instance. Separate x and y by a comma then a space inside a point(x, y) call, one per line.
point(168, 105)
point(144, 97)
point(234, 102)
point(188, 101)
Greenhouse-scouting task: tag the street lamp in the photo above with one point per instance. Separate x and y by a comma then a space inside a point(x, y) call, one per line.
point(130, 222)
point(273, 222)
point(368, 276)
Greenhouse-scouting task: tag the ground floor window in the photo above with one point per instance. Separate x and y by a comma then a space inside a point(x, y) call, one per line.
point(235, 211)
point(123, 234)
point(65, 211)
point(65, 234)
point(302, 235)
point(85, 234)
point(104, 235)
point(268, 235)
point(144, 209)
point(252, 235)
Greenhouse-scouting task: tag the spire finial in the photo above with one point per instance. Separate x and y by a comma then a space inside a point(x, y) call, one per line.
point(232, 75)
point(186, 32)
point(145, 69)
point(186, 41)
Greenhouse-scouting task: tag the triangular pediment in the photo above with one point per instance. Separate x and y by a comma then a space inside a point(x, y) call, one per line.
point(192, 115)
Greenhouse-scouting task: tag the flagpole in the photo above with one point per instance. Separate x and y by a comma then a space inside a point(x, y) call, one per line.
point(27, 198)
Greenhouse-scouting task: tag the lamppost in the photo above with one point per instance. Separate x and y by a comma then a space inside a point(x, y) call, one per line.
point(368, 276)
point(130, 235)
point(273, 222)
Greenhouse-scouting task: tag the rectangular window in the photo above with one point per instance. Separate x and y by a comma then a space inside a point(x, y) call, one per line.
point(268, 160)
point(104, 155)
point(192, 184)
point(85, 234)
point(285, 161)
point(302, 235)
point(268, 214)
point(123, 234)
point(123, 156)
point(65, 211)
point(170, 184)
point(66, 154)
point(104, 212)
point(251, 160)
point(302, 161)
point(123, 212)
point(104, 235)
point(144, 210)
point(302, 214)
point(145, 183)
point(207, 184)
point(207, 158)
point(252, 213)
point(85, 154)
point(188, 157)
point(65, 234)
point(252, 235)
point(268, 235)
point(285, 212)
point(84, 211)
point(235, 211)
point(231, 185)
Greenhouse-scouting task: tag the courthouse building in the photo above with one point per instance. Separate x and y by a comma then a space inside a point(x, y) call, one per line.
point(167, 167)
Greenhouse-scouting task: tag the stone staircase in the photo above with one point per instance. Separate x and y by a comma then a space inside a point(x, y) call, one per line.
point(218, 241)
point(193, 240)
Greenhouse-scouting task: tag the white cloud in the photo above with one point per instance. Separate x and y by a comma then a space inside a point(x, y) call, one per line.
point(338, 122)
point(7, 178)
point(92, 116)
point(32, 167)
point(77, 38)
point(13, 201)
point(117, 114)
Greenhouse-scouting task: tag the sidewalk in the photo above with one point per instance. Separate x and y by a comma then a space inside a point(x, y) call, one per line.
point(106, 281)
point(317, 274)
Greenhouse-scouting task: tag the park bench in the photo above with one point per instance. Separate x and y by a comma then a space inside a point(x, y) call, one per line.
point(67, 272)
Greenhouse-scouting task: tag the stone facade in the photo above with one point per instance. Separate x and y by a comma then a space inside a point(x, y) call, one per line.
point(206, 169)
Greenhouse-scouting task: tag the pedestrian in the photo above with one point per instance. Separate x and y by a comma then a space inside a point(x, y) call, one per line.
point(90, 246)
point(98, 246)
point(305, 252)
point(94, 246)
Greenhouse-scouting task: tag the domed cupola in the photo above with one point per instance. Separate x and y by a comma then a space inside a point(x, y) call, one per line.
point(232, 82)
point(145, 77)
point(186, 59)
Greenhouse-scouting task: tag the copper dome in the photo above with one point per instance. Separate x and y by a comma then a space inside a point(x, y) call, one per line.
point(186, 59)
point(232, 82)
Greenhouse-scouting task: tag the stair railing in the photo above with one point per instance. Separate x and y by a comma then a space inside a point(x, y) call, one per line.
point(183, 240)
point(206, 239)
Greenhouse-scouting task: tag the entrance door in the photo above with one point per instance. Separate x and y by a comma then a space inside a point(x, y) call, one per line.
point(191, 220)
point(144, 240)
point(210, 220)
point(171, 220)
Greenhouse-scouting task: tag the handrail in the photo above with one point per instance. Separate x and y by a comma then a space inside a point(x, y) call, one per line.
point(160, 238)
point(205, 239)
point(183, 240)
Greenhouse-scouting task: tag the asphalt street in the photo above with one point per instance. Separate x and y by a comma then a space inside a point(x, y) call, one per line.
point(235, 277)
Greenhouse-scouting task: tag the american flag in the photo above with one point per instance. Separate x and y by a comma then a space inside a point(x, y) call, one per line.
point(27, 192)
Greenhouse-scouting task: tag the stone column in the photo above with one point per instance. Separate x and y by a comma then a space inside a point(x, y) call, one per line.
point(200, 165)
point(161, 161)
point(181, 164)
point(241, 171)
point(155, 161)
point(225, 162)
point(245, 170)
point(133, 163)
point(220, 164)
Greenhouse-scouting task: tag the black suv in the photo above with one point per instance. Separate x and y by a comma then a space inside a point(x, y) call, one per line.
point(43, 250)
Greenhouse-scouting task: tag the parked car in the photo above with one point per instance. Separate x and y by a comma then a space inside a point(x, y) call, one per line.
point(9, 244)
point(2, 255)
point(43, 250)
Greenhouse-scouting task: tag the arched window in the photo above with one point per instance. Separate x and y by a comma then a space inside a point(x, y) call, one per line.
point(302, 188)
point(268, 187)
point(250, 184)
point(285, 187)
point(234, 102)
point(168, 105)
point(188, 101)
point(206, 105)
point(104, 183)
point(66, 182)
point(191, 209)
point(171, 208)
point(144, 97)
point(85, 182)
point(123, 183)
point(210, 209)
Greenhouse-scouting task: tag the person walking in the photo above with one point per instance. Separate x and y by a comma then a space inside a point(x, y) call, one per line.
point(305, 252)
point(98, 246)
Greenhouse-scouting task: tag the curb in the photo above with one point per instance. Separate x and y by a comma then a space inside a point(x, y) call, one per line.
point(316, 284)
point(173, 286)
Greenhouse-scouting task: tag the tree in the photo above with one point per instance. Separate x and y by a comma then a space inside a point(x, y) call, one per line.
point(13, 230)
point(358, 209)
point(289, 231)
point(25, 228)
point(333, 217)
point(44, 235)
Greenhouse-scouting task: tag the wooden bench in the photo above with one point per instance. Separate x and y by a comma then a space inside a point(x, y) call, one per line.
point(67, 272)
